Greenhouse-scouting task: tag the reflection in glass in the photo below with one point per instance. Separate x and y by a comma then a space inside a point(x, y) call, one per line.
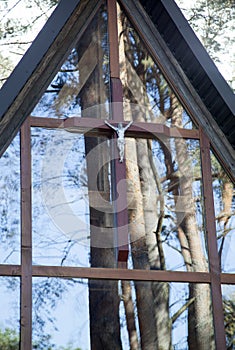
point(165, 205)
point(224, 203)
point(81, 87)
point(105, 314)
point(10, 204)
point(68, 219)
point(147, 95)
point(228, 294)
point(10, 312)
point(60, 314)
point(74, 226)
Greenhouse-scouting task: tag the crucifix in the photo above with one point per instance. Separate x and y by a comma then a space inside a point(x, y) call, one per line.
point(120, 131)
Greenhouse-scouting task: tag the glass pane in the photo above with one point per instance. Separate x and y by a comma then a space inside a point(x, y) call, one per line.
point(228, 294)
point(165, 205)
point(10, 312)
point(224, 202)
point(70, 221)
point(104, 314)
point(81, 87)
point(10, 204)
point(190, 315)
point(60, 314)
point(147, 95)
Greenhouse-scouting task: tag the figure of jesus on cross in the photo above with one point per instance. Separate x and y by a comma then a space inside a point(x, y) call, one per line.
point(120, 131)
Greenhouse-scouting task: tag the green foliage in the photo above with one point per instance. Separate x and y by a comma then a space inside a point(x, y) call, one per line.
point(214, 18)
point(5, 68)
point(16, 28)
point(214, 23)
point(9, 339)
point(13, 26)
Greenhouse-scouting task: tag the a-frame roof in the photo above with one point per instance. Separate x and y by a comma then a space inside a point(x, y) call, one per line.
point(196, 63)
point(182, 58)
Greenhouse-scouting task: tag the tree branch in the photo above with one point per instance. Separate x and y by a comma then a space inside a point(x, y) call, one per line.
point(181, 310)
point(162, 205)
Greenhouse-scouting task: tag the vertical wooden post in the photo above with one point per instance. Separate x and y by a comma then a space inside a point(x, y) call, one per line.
point(26, 239)
point(217, 304)
point(117, 115)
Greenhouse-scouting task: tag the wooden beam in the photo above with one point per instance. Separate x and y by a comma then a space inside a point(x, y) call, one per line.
point(26, 239)
point(200, 53)
point(73, 272)
point(31, 77)
point(113, 39)
point(216, 294)
point(96, 127)
point(118, 168)
point(227, 278)
point(179, 82)
point(10, 270)
point(120, 274)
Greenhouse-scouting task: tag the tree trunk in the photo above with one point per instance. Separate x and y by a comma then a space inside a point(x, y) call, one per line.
point(130, 315)
point(143, 216)
point(139, 250)
point(103, 295)
point(149, 186)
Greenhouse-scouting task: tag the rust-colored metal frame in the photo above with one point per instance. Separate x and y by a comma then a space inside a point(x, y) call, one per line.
point(97, 127)
point(178, 80)
point(216, 293)
point(92, 126)
point(120, 273)
point(119, 169)
point(26, 238)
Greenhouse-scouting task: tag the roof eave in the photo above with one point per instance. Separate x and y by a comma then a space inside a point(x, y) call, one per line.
point(30, 78)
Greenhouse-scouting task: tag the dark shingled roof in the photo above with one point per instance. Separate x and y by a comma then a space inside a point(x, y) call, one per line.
point(196, 63)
